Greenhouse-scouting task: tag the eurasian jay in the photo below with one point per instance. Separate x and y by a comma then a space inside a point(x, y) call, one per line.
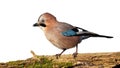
point(63, 35)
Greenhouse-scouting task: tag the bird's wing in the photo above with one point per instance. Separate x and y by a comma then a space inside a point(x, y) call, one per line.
point(77, 28)
point(76, 31)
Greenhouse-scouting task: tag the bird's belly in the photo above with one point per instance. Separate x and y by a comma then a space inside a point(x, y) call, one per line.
point(64, 42)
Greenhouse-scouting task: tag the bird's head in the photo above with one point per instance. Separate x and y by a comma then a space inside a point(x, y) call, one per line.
point(46, 20)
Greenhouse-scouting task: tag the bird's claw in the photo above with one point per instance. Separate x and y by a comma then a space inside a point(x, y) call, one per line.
point(57, 56)
point(75, 55)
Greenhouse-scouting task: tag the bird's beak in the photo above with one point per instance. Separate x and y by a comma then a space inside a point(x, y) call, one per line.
point(36, 24)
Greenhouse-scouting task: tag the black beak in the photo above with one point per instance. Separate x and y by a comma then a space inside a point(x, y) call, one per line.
point(36, 24)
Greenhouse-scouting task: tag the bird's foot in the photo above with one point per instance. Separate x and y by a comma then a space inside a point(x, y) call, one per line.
point(57, 56)
point(75, 55)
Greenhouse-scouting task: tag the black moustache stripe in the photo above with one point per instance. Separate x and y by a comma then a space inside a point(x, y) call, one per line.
point(43, 25)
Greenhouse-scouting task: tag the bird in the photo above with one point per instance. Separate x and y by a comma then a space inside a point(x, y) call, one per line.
point(63, 35)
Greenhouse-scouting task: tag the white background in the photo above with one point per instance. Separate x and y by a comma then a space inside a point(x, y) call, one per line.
point(18, 37)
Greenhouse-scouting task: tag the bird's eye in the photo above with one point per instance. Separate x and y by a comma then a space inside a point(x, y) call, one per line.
point(42, 20)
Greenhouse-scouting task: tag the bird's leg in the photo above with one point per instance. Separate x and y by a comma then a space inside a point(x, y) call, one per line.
point(58, 55)
point(75, 54)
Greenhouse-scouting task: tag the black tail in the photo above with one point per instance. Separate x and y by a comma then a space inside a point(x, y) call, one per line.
point(86, 34)
point(102, 36)
point(89, 34)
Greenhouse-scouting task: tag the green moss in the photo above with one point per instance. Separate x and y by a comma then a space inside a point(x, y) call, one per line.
point(65, 65)
point(19, 64)
point(41, 62)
